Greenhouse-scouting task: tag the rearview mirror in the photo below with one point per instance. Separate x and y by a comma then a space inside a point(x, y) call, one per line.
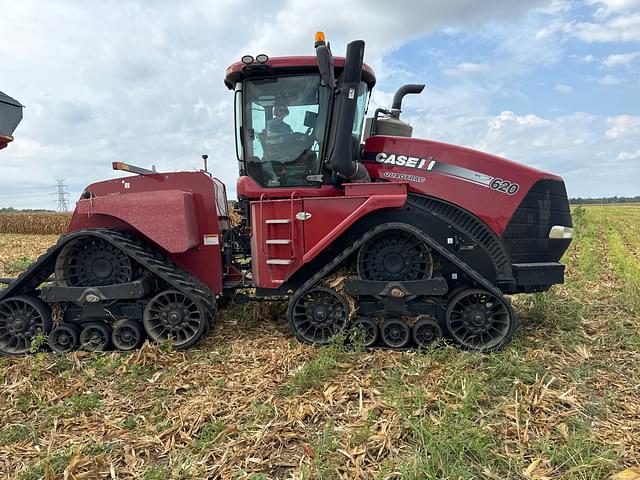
point(310, 119)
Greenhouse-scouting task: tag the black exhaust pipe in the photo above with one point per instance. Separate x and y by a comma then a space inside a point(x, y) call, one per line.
point(342, 159)
point(396, 106)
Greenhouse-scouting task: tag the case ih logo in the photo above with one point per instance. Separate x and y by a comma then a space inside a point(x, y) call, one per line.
point(405, 161)
point(429, 164)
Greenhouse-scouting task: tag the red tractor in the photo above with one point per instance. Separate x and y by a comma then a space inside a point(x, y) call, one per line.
point(402, 240)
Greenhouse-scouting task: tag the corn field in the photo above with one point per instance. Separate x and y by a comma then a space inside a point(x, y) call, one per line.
point(34, 223)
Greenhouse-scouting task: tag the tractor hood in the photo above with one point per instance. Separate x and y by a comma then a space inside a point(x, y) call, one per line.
point(10, 117)
point(488, 186)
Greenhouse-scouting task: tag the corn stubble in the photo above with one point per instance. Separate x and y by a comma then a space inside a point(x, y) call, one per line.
point(561, 402)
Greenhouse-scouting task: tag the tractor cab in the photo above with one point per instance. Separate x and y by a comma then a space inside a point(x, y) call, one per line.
point(290, 119)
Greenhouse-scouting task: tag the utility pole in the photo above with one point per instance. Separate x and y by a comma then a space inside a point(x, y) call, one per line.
point(62, 195)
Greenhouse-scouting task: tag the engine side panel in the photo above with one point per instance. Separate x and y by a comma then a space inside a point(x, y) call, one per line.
point(487, 186)
point(175, 212)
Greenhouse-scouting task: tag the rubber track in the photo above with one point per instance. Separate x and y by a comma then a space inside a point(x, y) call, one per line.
point(403, 226)
point(390, 226)
point(145, 255)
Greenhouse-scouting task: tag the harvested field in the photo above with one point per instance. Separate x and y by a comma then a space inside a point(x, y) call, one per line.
point(562, 401)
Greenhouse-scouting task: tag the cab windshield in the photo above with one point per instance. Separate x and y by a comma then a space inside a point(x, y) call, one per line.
point(282, 129)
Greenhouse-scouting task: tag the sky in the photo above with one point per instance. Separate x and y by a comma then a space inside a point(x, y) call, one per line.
point(552, 84)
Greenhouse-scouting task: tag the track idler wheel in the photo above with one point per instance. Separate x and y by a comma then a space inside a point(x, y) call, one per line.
point(364, 331)
point(317, 315)
point(95, 337)
point(479, 320)
point(171, 315)
point(395, 255)
point(127, 335)
point(64, 338)
point(395, 333)
point(91, 262)
point(21, 319)
point(424, 332)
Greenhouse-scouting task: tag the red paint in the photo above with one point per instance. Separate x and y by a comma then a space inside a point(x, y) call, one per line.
point(264, 274)
point(330, 217)
point(494, 208)
point(147, 212)
point(173, 211)
point(303, 63)
point(333, 216)
point(247, 187)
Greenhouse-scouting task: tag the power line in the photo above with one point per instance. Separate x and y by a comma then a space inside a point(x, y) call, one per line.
point(62, 195)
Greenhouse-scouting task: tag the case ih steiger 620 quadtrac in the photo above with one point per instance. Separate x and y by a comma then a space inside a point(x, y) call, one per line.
point(424, 238)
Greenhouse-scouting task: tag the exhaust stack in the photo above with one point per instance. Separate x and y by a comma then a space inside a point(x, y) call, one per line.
point(391, 124)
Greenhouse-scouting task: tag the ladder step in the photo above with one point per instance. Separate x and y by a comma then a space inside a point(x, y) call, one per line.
point(275, 241)
point(279, 261)
point(272, 221)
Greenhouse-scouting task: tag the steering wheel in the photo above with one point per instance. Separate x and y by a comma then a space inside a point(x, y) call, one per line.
point(307, 138)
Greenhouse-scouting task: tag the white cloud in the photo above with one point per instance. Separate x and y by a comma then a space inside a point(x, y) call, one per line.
point(628, 156)
point(567, 145)
point(142, 82)
point(467, 68)
point(621, 28)
point(563, 88)
point(608, 7)
point(614, 60)
point(610, 80)
point(623, 125)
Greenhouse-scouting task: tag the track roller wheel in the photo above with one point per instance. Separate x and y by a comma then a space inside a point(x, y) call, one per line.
point(395, 333)
point(127, 335)
point(317, 315)
point(364, 331)
point(424, 332)
point(478, 320)
point(173, 315)
point(22, 318)
point(64, 338)
point(95, 337)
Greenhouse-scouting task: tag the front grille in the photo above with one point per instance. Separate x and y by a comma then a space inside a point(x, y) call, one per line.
point(526, 237)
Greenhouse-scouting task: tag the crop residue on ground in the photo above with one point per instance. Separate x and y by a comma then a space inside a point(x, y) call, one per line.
point(562, 401)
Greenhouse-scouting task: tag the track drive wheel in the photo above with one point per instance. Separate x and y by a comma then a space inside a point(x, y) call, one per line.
point(95, 336)
point(479, 320)
point(395, 333)
point(21, 319)
point(64, 338)
point(317, 315)
point(127, 335)
point(424, 332)
point(364, 331)
point(171, 315)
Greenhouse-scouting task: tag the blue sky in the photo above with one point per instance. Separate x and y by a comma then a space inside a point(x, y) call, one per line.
point(553, 84)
